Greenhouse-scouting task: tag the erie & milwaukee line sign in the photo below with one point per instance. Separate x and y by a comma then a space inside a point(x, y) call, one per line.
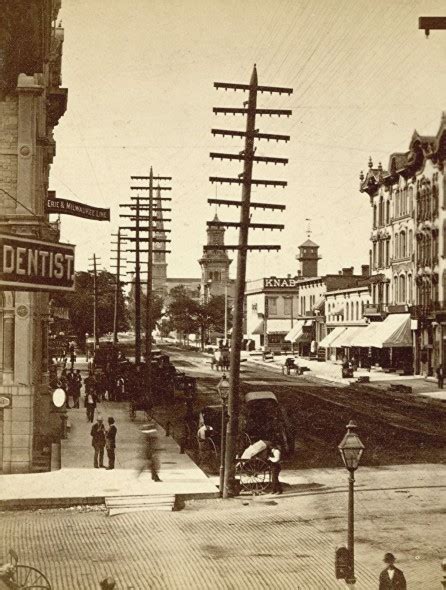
point(67, 207)
point(34, 265)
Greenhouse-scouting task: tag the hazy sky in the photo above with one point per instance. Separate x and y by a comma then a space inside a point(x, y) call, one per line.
point(140, 76)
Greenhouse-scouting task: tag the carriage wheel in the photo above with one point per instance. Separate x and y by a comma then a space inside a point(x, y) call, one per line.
point(255, 475)
point(30, 578)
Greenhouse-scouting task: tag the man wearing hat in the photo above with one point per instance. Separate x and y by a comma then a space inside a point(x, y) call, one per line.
point(98, 442)
point(391, 578)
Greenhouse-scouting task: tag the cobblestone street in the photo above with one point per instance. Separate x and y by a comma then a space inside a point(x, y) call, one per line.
point(265, 543)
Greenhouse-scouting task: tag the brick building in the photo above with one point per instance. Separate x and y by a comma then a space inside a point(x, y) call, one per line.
point(31, 103)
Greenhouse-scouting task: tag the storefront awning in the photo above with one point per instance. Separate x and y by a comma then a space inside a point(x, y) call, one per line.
point(273, 326)
point(299, 331)
point(349, 335)
point(393, 332)
point(329, 339)
point(296, 331)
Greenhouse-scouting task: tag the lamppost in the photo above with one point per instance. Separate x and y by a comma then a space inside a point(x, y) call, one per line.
point(223, 390)
point(351, 449)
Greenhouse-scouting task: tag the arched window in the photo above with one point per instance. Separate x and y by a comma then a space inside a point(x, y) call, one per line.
point(402, 290)
point(410, 243)
point(395, 289)
point(387, 252)
point(357, 310)
point(374, 216)
point(387, 212)
point(396, 244)
point(410, 200)
point(403, 244)
point(346, 312)
point(409, 289)
point(381, 211)
point(387, 293)
point(397, 203)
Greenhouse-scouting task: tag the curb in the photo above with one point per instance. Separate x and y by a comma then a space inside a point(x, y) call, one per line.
point(55, 503)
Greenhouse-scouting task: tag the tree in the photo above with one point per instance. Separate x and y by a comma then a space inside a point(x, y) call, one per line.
point(157, 309)
point(80, 304)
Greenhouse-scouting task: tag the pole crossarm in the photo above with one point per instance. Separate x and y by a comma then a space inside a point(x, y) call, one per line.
point(144, 218)
point(147, 188)
point(432, 23)
point(242, 111)
point(253, 135)
point(234, 203)
point(146, 229)
point(238, 247)
point(278, 226)
point(225, 180)
point(241, 158)
point(153, 178)
point(247, 87)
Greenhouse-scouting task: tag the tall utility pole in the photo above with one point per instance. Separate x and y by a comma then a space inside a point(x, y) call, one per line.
point(119, 260)
point(248, 157)
point(152, 209)
point(150, 213)
point(95, 302)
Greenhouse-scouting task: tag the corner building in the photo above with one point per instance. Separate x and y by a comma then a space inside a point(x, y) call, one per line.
point(409, 246)
point(31, 103)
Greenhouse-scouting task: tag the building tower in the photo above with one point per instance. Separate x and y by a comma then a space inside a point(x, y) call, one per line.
point(214, 264)
point(159, 271)
point(308, 257)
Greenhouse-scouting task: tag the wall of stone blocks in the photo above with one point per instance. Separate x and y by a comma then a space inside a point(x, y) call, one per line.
point(8, 152)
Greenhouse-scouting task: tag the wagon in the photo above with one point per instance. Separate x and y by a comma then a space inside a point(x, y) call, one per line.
point(22, 577)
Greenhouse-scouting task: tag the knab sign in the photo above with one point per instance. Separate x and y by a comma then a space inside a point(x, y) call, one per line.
point(67, 207)
point(27, 264)
point(280, 283)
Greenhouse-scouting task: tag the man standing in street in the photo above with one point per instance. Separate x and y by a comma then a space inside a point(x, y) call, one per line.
point(149, 452)
point(391, 578)
point(98, 442)
point(274, 459)
point(110, 442)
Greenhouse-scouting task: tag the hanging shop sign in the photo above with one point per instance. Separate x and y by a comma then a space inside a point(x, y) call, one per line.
point(4, 401)
point(67, 207)
point(34, 265)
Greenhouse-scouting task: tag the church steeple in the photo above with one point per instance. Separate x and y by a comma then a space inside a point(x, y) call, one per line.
point(214, 263)
point(159, 272)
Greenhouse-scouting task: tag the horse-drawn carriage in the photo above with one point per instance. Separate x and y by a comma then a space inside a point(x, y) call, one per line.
point(221, 359)
point(262, 421)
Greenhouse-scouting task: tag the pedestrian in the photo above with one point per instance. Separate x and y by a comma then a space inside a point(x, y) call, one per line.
point(440, 377)
point(391, 578)
point(98, 442)
point(149, 452)
point(274, 459)
point(120, 389)
point(90, 404)
point(77, 385)
point(110, 442)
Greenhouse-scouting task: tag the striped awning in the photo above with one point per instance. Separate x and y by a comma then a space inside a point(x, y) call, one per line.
point(273, 326)
point(393, 332)
point(329, 340)
point(349, 335)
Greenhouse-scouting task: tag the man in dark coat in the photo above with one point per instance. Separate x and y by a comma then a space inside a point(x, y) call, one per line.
point(391, 578)
point(110, 442)
point(98, 442)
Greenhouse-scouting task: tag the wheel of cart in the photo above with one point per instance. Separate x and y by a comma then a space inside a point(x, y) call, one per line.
point(254, 475)
point(22, 577)
point(139, 405)
point(207, 450)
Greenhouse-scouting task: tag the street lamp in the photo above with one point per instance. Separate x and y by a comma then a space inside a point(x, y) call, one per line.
point(351, 449)
point(223, 389)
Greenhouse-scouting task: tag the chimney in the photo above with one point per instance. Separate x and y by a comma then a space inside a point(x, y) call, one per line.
point(365, 270)
point(299, 273)
point(348, 272)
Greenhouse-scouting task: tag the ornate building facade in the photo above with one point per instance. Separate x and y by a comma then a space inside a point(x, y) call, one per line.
point(409, 243)
point(215, 265)
point(31, 103)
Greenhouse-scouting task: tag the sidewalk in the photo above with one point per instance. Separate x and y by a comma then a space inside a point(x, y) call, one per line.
point(331, 372)
point(78, 482)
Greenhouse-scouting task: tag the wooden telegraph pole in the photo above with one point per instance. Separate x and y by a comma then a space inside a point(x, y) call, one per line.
point(248, 157)
point(119, 260)
point(152, 208)
point(95, 302)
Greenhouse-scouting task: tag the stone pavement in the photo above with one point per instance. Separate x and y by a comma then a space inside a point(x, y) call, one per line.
point(283, 543)
point(79, 482)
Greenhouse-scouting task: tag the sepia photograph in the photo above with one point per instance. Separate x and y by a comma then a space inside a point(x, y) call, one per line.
point(222, 281)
